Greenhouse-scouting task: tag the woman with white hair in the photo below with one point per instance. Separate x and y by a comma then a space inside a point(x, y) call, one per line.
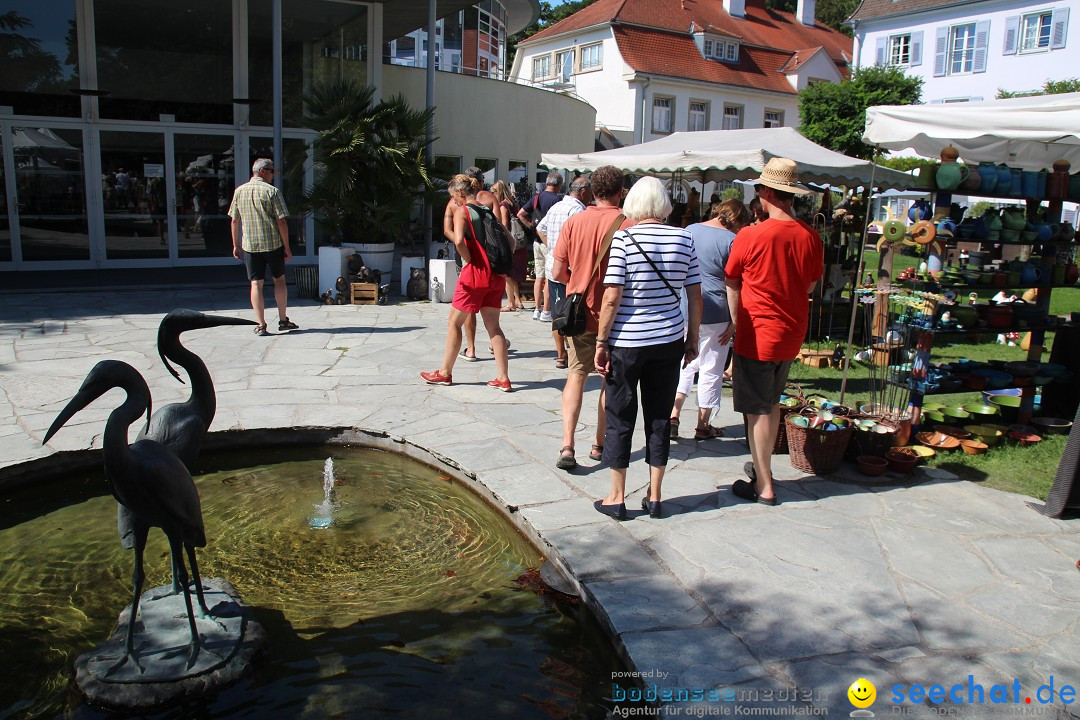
point(643, 338)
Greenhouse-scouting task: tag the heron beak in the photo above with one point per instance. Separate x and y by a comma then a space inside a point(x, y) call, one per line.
point(209, 321)
point(84, 397)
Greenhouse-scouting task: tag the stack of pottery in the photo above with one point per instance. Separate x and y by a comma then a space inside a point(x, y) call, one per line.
point(950, 173)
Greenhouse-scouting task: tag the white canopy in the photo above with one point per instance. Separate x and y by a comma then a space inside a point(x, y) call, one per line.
point(1029, 133)
point(731, 155)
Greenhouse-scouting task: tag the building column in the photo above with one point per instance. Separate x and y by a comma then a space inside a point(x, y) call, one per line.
point(374, 45)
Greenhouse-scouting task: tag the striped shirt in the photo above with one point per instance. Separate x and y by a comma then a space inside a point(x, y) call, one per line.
point(649, 312)
point(551, 226)
point(259, 206)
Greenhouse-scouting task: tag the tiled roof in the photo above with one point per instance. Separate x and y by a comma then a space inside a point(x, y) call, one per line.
point(676, 55)
point(779, 31)
point(881, 8)
point(799, 57)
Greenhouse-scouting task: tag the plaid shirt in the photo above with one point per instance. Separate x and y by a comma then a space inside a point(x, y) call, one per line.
point(259, 206)
point(552, 224)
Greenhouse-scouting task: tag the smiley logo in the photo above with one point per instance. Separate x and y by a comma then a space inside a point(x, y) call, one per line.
point(862, 693)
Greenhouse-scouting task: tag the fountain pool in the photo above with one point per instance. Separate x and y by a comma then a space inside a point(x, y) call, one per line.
point(405, 604)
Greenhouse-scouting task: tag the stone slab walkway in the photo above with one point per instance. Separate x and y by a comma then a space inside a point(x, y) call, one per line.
point(919, 581)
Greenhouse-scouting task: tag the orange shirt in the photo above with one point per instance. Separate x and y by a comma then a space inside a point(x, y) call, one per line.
point(776, 261)
point(579, 241)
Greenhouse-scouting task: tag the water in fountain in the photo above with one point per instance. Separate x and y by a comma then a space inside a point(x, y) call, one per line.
point(324, 510)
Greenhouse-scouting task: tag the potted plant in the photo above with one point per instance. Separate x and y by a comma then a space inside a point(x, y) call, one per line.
point(370, 167)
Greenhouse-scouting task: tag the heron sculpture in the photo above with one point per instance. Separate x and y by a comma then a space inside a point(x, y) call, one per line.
point(181, 426)
point(146, 478)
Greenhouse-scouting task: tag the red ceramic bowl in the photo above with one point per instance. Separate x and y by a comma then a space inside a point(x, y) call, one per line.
point(872, 465)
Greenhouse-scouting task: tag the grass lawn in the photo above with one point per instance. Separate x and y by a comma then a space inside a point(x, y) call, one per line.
point(1025, 470)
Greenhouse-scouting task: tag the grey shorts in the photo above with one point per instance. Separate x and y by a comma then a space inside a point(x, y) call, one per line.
point(539, 259)
point(756, 385)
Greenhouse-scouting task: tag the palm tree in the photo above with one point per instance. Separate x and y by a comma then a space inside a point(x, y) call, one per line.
point(371, 162)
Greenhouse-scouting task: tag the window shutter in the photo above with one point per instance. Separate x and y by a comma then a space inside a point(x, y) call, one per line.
point(982, 39)
point(1059, 27)
point(879, 54)
point(915, 52)
point(1012, 29)
point(941, 51)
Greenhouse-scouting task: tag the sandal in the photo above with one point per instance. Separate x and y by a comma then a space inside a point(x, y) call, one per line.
point(466, 357)
point(708, 432)
point(261, 331)
point(597, 452)
point(566, 462)
point(561, 363)
point(674, 428)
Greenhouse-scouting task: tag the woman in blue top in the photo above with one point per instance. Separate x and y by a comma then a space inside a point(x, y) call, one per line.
point(640, 342)
point(712, 240)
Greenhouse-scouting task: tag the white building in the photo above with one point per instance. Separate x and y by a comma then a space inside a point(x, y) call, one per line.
point(653, 67)
point(969, 49)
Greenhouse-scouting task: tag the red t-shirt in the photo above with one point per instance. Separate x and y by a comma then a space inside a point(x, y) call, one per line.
point(776, 261)
point(580, 239)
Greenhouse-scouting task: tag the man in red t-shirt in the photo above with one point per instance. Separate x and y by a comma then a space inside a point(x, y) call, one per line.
point(580, 241)
point(772, 268)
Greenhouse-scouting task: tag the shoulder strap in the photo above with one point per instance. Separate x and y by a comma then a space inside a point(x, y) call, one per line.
point(652, 265)
point(606, 245)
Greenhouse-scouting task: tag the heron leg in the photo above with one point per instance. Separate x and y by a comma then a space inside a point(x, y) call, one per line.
point(197, 580)
point(137, 578)
point(177, 550)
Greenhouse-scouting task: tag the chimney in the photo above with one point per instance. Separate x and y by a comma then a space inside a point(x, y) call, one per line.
point(736, 8)
point(804, 13)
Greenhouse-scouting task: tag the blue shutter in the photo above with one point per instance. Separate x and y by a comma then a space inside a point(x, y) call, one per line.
point(1012, 30)
point(1059, 28)
point(982, 39)
point(941, 51)
point(916, 49)
point(879, 52)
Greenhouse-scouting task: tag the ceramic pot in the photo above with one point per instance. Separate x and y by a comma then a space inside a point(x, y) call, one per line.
point(1040, 191)
point(1073, 190)
point(1016, 186)
point(925, 179)
point(1029, 184)
point(921, 210)
point(1030, 274)
point(1057, 275)
point(1072, 272)
point(974, 180)
point(1013, 218)
point(988, 174)
point(950, 175)
point(1057, 186)
point(1004, 179)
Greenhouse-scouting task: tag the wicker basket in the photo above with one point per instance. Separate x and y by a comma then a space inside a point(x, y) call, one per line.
point(817, 451)
point(780, 447)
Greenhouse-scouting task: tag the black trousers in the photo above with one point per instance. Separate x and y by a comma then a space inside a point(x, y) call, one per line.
point(655, 369)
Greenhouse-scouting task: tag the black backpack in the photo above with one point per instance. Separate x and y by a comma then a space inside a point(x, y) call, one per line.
point(495, 239)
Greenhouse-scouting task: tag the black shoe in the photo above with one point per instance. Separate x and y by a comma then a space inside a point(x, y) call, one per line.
point(616, 511)
point(286, 325)
point(653, 508)
point(747, 491)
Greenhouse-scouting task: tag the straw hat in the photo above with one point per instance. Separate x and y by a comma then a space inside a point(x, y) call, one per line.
point(782, 174)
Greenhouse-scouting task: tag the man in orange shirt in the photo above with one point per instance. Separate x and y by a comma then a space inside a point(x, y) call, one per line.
point(772, 268)
point(581, 239)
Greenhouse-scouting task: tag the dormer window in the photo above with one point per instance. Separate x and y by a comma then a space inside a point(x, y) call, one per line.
point(716, 48)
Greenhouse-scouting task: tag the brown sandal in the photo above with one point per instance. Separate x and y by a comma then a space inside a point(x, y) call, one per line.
point(708, 432)
point(566, 462)
point(597, 452)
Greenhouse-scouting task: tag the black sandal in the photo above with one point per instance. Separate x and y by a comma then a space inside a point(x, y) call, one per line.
point(566, 462)
point(597, 452)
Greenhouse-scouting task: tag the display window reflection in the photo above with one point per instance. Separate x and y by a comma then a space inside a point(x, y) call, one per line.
point(203, 189)
point(5, 222)
point(40, 52)
point(133, 191)
point(50, 188)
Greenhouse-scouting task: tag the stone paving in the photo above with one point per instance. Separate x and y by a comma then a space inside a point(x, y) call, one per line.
point(920, 580)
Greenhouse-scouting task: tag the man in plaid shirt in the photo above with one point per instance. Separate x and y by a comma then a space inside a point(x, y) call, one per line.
point(258, 215)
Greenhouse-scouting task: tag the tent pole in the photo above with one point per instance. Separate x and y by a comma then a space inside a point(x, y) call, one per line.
point(858, 274)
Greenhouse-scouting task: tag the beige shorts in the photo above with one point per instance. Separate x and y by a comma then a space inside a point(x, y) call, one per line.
point(539, 259)
point(581, 351)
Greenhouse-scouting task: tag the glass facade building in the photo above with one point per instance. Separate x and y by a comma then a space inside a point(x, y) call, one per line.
point(125, 126)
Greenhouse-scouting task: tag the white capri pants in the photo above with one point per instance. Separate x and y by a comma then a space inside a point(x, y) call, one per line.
point(709, 366)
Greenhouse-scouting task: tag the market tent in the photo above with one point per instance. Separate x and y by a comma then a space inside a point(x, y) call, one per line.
point(1028, 133)
point(714, 155)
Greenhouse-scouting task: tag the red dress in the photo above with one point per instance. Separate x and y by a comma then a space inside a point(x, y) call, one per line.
point(477, 287)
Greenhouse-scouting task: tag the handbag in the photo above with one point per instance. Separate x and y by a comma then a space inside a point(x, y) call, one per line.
point(520, 234)
point(568, 313)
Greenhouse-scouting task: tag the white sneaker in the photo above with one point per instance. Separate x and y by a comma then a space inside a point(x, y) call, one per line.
point(536, 314)
point(545, 316)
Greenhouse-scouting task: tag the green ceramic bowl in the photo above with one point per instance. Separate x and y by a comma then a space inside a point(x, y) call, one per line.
point(955, 415)
point(933, 416)
point(982, 412)
point(984, 434)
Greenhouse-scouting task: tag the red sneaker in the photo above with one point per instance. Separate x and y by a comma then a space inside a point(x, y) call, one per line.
point(435, 377)
point(503, 385)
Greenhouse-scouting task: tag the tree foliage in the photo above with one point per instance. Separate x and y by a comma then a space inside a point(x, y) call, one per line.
point(28, 67)
point(834, 114)
point(829, 12)
point(549, 15)
point(370, 161)
point(1050, 87)
point(903, 164)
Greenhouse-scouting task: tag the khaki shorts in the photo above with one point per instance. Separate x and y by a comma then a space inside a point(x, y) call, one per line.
point(539, 259)
point(756, 385)
point(581, 351)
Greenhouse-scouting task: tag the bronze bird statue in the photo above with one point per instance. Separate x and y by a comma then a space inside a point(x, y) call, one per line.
point(146, 478)
point(181, 426)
